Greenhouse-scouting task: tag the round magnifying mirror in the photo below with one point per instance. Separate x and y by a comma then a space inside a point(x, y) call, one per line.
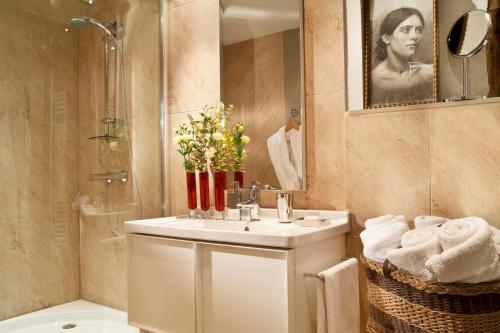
point(469, 34)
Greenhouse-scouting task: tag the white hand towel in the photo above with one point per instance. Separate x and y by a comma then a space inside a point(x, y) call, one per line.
point(381, 235)
point(469, 254)
point(321, 321)
point(496, 238)
point(338, 311)
point(418, 246)
point(429, 221)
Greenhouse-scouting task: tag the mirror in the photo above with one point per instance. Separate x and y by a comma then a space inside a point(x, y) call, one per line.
point(262, 76)
point(467, 37)
point(469, 34)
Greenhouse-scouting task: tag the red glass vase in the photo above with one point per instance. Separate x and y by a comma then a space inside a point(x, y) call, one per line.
point(238, 177)
point(191, 193)
point(204, 191)
point(220, 180)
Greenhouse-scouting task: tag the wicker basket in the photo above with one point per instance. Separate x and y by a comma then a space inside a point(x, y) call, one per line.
point(402, 303)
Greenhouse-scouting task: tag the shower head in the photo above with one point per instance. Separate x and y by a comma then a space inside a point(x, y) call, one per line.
point(83, 21)
point(78, 22)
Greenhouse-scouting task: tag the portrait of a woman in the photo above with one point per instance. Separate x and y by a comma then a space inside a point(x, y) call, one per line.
point(398, 76)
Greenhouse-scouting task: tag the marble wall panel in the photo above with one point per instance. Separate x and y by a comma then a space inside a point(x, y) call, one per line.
point(103, 258)
point(388, 164)
point(324, 46)
point(15, 267)
point(325, 151)
point(39, 157)
point(193, 60)
point(465, 155)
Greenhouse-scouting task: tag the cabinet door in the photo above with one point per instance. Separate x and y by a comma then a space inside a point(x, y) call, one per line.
point(244, 289)
point(161, 286)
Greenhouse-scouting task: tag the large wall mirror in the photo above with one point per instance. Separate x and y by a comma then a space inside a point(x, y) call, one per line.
point(262, 76)
point(419, 62)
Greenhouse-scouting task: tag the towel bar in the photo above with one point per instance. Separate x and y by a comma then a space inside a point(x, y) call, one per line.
point(319, 276)
point(316, 276)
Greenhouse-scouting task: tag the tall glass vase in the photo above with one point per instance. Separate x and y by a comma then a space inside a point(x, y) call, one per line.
point(204, 194)
point(191, 193)
point(238, 177)
point(220, 180)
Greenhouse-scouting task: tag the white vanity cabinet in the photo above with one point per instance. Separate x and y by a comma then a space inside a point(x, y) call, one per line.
point(204, 276)
point(161, 284)
point(187, 286)
point(244, 289)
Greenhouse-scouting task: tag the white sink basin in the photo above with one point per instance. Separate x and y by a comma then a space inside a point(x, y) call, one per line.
point(259, 227)
point(267, 232)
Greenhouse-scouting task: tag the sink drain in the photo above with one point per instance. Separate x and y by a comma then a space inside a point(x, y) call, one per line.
point(68, 326)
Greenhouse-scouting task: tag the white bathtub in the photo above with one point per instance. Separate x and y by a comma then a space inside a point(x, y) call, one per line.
point(88, 318)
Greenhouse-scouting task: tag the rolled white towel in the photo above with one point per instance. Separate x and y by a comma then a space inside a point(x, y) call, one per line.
point(496, 238)
point(469, 254)
point(429, 221)
point(378, 221)
point(418, 245)
point(383, 235)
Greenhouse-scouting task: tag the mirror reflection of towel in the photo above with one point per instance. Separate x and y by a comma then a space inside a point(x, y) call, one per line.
point(285, 150)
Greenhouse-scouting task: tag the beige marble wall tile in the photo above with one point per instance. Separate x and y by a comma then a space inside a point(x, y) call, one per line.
point(325, 151)
point(323, 42)
point(465, 155)
point(194, 65)
point(15, 267)
point(55, 265)
point(39, 156)
point(387, 164)
point(103, 259)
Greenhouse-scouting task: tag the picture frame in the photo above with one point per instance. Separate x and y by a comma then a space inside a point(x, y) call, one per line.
point(400, 57)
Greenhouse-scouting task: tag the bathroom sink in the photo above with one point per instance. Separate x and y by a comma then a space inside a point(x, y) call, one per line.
point(258, 227)
point(267, 232)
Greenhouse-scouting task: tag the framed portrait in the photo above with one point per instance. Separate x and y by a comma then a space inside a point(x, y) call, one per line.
point(400, 52)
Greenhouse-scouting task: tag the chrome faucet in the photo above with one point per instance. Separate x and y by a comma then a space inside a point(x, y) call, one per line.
point(284, 206)
point(250, 209)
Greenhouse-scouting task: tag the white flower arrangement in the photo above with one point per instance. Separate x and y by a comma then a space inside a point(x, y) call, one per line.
point(207, 141)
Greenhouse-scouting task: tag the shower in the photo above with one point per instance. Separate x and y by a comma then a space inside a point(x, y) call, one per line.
point(81, 22)
point(110, 35)
point(110, 41)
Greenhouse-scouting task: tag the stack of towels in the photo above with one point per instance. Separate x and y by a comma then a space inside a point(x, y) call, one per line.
point(438, 249)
